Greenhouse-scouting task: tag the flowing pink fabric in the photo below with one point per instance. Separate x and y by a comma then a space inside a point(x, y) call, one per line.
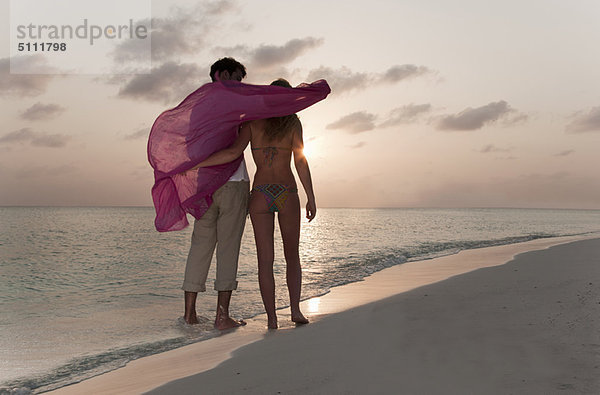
point(206, 122)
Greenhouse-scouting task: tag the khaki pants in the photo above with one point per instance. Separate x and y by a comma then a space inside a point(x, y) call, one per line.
point(222, 225)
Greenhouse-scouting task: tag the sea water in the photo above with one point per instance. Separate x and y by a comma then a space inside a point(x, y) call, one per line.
point(85, 290)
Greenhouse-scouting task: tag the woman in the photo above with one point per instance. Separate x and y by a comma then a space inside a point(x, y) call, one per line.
point(273, 141)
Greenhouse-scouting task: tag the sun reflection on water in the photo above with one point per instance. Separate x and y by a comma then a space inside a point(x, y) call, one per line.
point(313, 305)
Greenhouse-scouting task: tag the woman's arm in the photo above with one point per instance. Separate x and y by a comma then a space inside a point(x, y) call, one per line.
point(228, 154)
point(304, 172)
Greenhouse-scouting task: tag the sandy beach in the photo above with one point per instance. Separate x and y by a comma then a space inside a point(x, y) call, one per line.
point(475, 322)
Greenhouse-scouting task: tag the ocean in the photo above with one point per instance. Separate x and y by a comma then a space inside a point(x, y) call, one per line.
point(85, 290)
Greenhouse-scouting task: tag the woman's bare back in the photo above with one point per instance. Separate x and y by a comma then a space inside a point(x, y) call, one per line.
point(272, 156)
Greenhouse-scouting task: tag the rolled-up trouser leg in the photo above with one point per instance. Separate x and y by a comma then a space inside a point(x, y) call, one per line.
point(204, 239)
point(233, 208)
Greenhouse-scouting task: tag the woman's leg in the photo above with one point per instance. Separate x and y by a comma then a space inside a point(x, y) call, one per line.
point(289, 224)
point(263, 225)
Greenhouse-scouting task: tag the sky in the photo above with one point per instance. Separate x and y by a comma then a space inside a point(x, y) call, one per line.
point(434, 103)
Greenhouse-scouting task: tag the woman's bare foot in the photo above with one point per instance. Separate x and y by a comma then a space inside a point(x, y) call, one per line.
point(272, 323)
point(222, 323)
point(299, 318)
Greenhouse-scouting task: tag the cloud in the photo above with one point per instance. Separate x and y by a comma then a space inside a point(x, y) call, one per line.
point(26, 135)
point(222, 7)
point(266, 57)
point(265, 62)
point(23, 85)
point(490, 148)
point(358, 145)
point(517, 118)
point(21, 135)
point(50, 140)
point(362, 121)
point(401, 72)
point(166, 83)
point(475, 118)
point(141, 133)
point(340, 80)
point(406, 114)
point(343, 79)
point(356, 122)
point(41, 111)
point(565, 152)
point(186, 31)
point(585, 122)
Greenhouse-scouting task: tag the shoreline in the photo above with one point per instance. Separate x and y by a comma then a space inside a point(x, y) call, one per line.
point(529, 326)
point(150, 372)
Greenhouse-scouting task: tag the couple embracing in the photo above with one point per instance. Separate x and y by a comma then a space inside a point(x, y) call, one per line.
point(196, 150)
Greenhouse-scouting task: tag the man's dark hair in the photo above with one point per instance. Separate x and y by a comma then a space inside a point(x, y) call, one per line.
point(226, 64)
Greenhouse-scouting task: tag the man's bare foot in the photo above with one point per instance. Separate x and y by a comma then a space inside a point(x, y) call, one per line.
point(299, 319)
point(191, 320)
point(272, 323)
point(228, 323)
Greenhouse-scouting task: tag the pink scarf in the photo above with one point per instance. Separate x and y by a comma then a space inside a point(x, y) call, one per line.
point(205, 122)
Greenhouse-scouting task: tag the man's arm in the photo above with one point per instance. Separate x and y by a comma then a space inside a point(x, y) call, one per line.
point(229, 154)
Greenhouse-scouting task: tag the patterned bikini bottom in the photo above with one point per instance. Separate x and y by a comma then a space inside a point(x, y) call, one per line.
point(275, 194)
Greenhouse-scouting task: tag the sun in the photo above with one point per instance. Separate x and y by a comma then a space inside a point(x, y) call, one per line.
point(309, 150)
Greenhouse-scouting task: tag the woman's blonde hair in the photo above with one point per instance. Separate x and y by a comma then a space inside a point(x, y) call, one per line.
point(278, 127)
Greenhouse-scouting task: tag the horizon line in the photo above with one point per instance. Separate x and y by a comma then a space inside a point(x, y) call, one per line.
point(328, 207)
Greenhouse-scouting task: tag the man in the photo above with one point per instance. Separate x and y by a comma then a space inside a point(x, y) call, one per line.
point(221, 226)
